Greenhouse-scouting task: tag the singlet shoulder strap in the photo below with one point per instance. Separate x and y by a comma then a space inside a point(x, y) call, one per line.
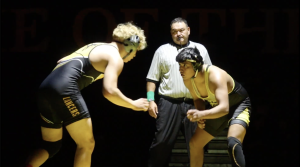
point(207, 81)
point(195, 88)
point(233, 84)
point(207, 67)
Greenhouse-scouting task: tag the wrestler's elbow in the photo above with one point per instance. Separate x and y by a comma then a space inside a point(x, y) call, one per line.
point(225, 109)
point(108, 92)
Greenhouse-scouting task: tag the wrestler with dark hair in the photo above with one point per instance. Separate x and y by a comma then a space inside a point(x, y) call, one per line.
point(230, 103)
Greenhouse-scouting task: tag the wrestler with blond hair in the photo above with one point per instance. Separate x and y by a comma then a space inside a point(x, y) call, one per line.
point(61, 103)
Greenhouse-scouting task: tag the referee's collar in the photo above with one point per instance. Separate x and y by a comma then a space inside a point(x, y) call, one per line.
point(180, 46)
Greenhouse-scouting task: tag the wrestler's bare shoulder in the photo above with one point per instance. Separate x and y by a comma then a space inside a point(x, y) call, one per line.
point(104, 52)
point(216, 73)
point(102, 55)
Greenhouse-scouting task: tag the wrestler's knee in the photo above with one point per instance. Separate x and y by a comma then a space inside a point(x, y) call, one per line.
point(235, 151)
point(87, 144)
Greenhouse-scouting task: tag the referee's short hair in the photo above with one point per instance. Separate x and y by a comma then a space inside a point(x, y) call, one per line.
point(178, 20)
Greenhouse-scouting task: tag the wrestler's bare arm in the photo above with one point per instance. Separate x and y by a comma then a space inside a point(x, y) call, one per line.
point(110, 82)
point(218, 86)
point(110, 85)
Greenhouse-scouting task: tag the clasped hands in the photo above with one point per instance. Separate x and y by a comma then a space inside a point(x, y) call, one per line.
point(195, 116)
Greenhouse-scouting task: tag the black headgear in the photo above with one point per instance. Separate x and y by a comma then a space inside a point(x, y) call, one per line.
point(131, 44)
point(192, 55)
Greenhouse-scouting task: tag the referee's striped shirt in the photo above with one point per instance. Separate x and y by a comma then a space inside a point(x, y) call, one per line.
point(165, 69)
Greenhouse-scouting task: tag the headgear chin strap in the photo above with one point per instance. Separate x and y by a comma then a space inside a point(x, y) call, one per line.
point(195, 65)
point(196, 68)
point(131, 44)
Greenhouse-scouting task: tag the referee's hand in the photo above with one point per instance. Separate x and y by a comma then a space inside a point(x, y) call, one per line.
point(153, 109)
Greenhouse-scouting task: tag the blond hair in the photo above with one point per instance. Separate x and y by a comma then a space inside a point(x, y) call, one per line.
point(126, 30)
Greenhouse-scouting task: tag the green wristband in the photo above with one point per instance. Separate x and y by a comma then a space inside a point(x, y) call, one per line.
point(150, 96)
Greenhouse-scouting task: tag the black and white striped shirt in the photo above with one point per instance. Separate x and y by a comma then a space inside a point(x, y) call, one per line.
point(165, 69)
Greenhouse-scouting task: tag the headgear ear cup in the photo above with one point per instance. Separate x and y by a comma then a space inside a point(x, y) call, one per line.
point(198, 60)
point(131, 44)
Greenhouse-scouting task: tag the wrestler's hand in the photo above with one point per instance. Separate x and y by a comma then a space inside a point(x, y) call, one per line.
point(141, 104)
point(194, 115)
point(153, 109)
point(201, 123)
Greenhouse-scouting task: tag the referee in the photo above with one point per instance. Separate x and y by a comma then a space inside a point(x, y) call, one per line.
point(175, 99)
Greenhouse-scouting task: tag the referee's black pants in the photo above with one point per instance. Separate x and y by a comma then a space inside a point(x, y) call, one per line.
point(170, 119)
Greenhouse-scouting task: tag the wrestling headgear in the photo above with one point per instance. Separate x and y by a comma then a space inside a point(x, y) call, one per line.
point(192, 55)
point(131, 44)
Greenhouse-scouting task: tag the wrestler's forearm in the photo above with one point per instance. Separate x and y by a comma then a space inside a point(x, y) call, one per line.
point(115, 96)
point(215, 112)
